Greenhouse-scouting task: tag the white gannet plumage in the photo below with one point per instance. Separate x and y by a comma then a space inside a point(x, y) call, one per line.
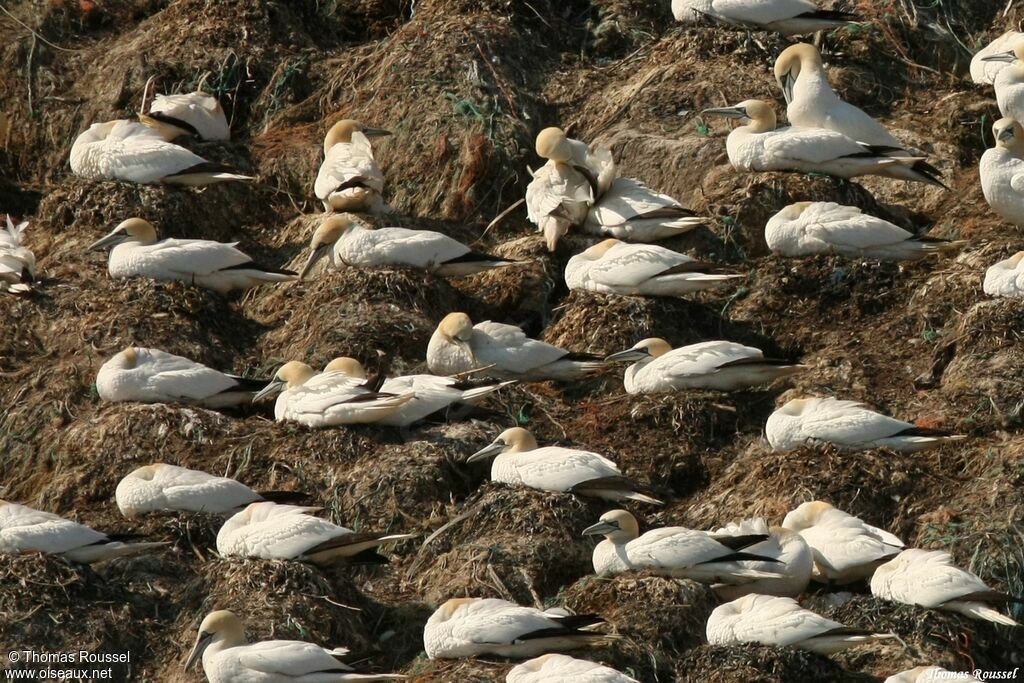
point(468, 627)
point(631, 211)
point(153, 376)
point(787, 17)
point(983, 71)
point(1009, 82)
point(519, 461)
point(782, 622)
point(930, 578)
point(559, 668)
point(17, 262)
point(26, 530)
point(1002, 171)
point(848, 425)
point(1006, 278)
point(845, 548)
point(138, 252)
point(614, 267)
point(195, 113)
point(794, 561)
point(349, 178)
point(564, 188)
point(806, 228)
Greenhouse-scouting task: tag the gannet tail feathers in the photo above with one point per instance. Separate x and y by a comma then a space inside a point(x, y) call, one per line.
point(844, 634)
point(286, 497)
point(614, 488)
point(742, 557)
point(739, 542)
point(980, 611)
point(204, 174)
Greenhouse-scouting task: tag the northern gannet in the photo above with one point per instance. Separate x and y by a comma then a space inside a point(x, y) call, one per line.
point(349, 178)
point(782, 622)
point(220, 266)
point(196, 113)
point(433, 394)
point(458, 346)
point(1006, 278)
point(1009, 82)
point(153, 376)
point(931, 674)
point(596, 164)
point(631, 211)
point(562, 190)
point(552, 468)
point(327, 400)
point(792, 557)
point(787, 17)
point(719, 365)
point(845, 548)
point(675, 551)
point(848, 425)
point(614, 267)
point(17, 262)
point(136, 153)
point(557, 668)
point(806, 228)
point(229, 658)
point(26, 530)
point(286, 532)
point(1002, 171)
point(168, 488)
point(759, 146)
point(985, 71)
point(930, 578)
point(349, 243)
point(468, 627)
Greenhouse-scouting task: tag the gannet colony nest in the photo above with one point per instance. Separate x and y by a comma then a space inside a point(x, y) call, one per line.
point(465, 85)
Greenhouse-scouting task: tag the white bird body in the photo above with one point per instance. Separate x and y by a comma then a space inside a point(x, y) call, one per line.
point(557, 198)
point(153, 376)
point(197, 110)
point(468, 627)
point(781, 622)
point(631, 211)
point(930, 578)
point(558, 668)
point(807, 228)
point(134, 152)
point(848, 425)
point(286, 532)
point(787, 17)
point(1006, 278)
point(349, 178)
point(1009, 85)
point(457, 346)
point(17, 262)
point(845, 548)
point(931, 674)
point(335, 403)
point(160, 487)
point(795, 561)
point(1002, 172)
point(614, 267)
point(986, 71)
point(25, 530)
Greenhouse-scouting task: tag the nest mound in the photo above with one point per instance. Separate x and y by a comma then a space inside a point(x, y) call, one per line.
point(761, 664)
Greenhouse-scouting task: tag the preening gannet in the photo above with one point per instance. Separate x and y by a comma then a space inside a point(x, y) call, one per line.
point(327, 400)
point(631, 211)
point(759, 146)
point(220, 266)
point(985, 71)
point(931, 674)
point(229, 658)
point(153, 376)
point(848, 425)
point(792, 557)
point(196, 113)
point(782, 622)
point(614, 267)
point(552, 468)
point(136, 153)
point(349, 179)
point(931, 579)
point(596, 164)
point(719, 365)
point(349, 243)
point(168, 488)
point(286, 532)
point(845, 548)
point(26, 530)
point(1002, 171)
point(1006, 278)
point(458, 346)
point(788, 17)
point(556, 668)
point(806, 228)
point(467, 627)
point(1009, 82)
point(17, 262)
point(562, 190)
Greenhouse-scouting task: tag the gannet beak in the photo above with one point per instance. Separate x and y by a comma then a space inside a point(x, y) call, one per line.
point(110, 240)
point(600, 529)
point(788, 81)
point(314, 256)
point(497, 447)
point(202, 642)
point(627, 356)
point(1006, 133)
point(375, 132)
point(275, 386)
point(728, 112)
point(1008, 57)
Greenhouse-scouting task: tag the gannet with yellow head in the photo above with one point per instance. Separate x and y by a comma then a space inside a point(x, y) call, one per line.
point(349, 178)
point(1002, 171)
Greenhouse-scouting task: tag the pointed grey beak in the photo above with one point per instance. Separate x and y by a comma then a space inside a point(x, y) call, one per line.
point(788, 81)
point(628, 356)
point(314, 257)
point(110, 240)
point(600, 529)
point(728, 112)
point(497, 447)
point(1007, 57)
point(1005, 133)
point(202, 642)
point(275, 386)
point(375, 132)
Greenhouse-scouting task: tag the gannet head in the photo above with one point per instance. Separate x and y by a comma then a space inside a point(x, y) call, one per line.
point(795, 407)
point(290, 375)
point(349, 367)
point(760, 115)
point(514, 440)
point(791, 62)
point(146, 472)
point(1008, 134)
point(448, 609)
point(646, 349)
point(553, 144)
point(456, 327)
point(324, 237)
point(793, 211)
point(137, 230)
point(222, 626)
point(598, 250)
point(1010, 56)
point(806, 515)
point(342, 132)
point(129, 357)
point(618, 526)
point(1015, 260)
